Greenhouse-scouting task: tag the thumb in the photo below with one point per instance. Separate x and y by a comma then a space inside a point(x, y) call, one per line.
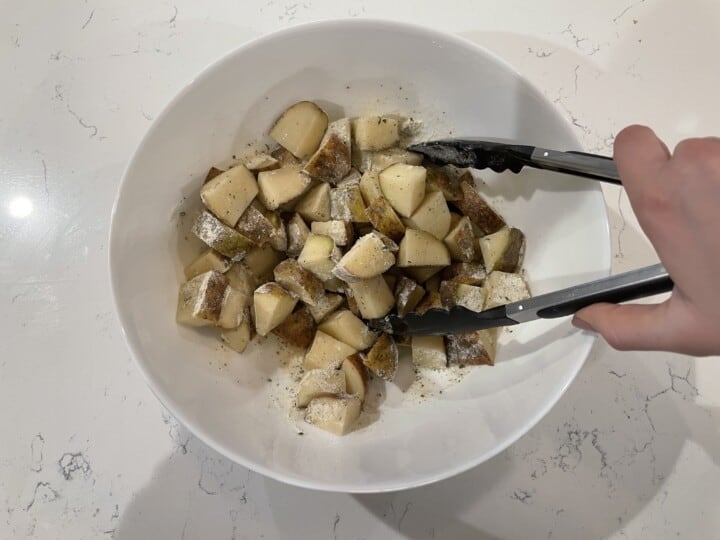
point(639, 327)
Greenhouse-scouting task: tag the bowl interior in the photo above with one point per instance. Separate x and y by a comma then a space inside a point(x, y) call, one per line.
point(351, 68)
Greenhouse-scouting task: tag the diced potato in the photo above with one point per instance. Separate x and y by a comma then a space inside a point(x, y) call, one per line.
point(454, 219)
point(239, 338)
point(272, 305)
point(381, 215)
point(331, 161)
point(370, 256)
point(391, 280)
point(325, 306)
point(261, 261)
point(503, 250)
point(335, 414)
point(374, 298)
point(454, 294)
point(460, 241)
point(223, 239)
point(432, 216)
point(422, 273)
point(504, 288)
point(407, 296)
point(315, 204)
point(347, 204)
point(404, 187)
point(200, 299)
point(470, 273)
point(432, 283)
point(281, 186)
point(229, 194)
point(478, 210)
point(370, 186)
point(471, 349)
point(340, 231)
point(208, 260)
point(431, 300)
point(285, 158)
point(297, 329)
point(263, 226)
point(440, 180)
point(351, 300)
point(349, 329)
point(300, 128)
point(375, 132)
point(356, 376)
point(361, 159)
point(326, 352)
point(353, 177)
point(319, 382)
point(261, 163)
point(234, 306)
point(212, 173)
point(299, 281)
point(334, 284)
point(240, 277)
point(419, 248)
point(382, 359)
point(428, 352)
point(383, 159)
point(319, 256)
point(297, 233)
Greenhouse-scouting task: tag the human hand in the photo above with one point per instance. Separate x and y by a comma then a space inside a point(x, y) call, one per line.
point(677, 202)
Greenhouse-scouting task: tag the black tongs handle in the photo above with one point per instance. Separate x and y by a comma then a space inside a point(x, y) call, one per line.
point(576, 163)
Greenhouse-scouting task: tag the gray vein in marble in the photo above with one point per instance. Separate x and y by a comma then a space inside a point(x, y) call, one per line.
point(335, 525)
point(92, 13)
point(624, 11)
point(46, 493)
point(36, 452)
point(540, 53)
point(616, 374)
point(402, 516)
point(93, 128)
point(72, 463)
point(569, 30)
point(172, 20)
point(45, 182)
point(521, 495)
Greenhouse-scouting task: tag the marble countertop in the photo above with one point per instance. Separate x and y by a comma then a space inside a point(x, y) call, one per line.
point(632, 450)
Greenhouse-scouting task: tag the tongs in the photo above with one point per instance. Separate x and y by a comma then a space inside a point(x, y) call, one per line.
point(640, 283)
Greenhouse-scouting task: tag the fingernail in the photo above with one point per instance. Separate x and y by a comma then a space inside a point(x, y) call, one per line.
point(582, 324)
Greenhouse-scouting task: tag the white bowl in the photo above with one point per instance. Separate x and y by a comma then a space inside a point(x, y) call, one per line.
point(361, 66)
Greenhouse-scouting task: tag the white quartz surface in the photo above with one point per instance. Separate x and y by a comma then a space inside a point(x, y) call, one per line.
point(86, 451)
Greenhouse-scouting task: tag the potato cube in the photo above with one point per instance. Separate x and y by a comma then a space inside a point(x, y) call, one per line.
point(335, 414)
point(281, 186)
point(454, 294)
point(472, 349)
point(356, 376)
point(432, 283)
point(297, 234)
point(504, 288)
point(319, 382)
point(478, 210)
point(239, 338)
point(285, 158)
point(241, 278)
point(422, 274)
point(263, 226)
point(229, 194)
point(346, 327)
point(334, 284)
point(212, 173)
point(432, 216)
point(375, 132)
point(370, 256)
point(431, 300)
point(440, 180)
point(300, 128)
point(370, 186)
point(347, 204)
point(299, 281)
point(503, 250)
point(319, 256)
point(298, 329)
point(223, 239)
point(261, 163)
point(428, 352)
point(326, 352)
point(234, 308)
point(404, 187)
point(261, 261)
point(381, 215)
point(352, 178)
point(315, 204)
point(325, 306)
point(382, 359)
point(208, 260)
point(200, 299)
point(340, 231)
point(272, 305)
point(407, 296)
point(383, 159)
point(419, 248)
point(331, 161)
point(351, 300)
point(470, 273)
point(374, 298)
point(460, 241)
